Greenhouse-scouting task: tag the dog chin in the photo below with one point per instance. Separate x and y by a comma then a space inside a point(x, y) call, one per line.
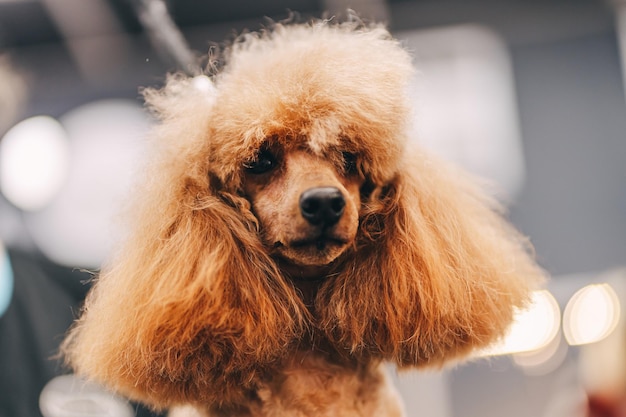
point(316, 254)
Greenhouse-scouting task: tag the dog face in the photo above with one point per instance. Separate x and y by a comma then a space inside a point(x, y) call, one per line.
point(307, 204)
point(301, 130)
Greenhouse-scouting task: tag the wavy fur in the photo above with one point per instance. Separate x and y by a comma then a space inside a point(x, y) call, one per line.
point(197, 307)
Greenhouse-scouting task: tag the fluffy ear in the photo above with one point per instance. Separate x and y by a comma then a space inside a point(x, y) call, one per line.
point(191, 308)
point(438, 272)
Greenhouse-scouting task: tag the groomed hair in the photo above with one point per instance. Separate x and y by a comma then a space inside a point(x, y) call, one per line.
point(191, 308)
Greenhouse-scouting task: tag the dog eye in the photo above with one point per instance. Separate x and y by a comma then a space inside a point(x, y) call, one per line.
point(349, 162)
point(264, 162)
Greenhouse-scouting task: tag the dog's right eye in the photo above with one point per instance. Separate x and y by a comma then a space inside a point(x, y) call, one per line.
point(265, 161)
point(349, 162)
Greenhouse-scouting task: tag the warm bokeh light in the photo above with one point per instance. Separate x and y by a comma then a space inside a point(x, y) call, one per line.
point(591, 314)
point(542, 361)
point(533, 328)
point(34, 158)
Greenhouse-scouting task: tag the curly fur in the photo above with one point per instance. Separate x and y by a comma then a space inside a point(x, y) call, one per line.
point(207, 304)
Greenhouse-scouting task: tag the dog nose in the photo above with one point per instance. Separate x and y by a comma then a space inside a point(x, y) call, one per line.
point(322, 205)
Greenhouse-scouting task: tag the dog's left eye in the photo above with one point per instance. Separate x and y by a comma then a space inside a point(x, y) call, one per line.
point(264, 162)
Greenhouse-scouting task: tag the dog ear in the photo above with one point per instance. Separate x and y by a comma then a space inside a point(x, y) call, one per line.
point(191, 308)
point(438, 272)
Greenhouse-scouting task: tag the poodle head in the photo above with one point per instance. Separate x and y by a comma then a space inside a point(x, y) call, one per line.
point(306, 120)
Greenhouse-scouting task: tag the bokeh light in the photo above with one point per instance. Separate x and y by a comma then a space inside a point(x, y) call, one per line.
point(79, 227)
point(465, 74)
point(69, 396)
point(545, 360)
point(534, 328)
point(203, 84)
point(591, 314)
point(106, 142)
point(34, 158)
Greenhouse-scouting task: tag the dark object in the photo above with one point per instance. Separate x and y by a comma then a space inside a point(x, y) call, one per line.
point(46, 299)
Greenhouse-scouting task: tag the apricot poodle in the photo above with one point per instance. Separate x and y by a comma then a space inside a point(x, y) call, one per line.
point(286, 243)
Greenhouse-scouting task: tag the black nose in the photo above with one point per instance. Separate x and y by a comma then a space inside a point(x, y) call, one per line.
point(322, 206)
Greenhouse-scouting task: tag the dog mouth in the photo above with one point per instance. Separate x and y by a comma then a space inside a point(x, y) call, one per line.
point(316, 250)
point(320, 243)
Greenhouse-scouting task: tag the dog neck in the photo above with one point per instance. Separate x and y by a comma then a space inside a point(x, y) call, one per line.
point(300, 273)
point(306, 279)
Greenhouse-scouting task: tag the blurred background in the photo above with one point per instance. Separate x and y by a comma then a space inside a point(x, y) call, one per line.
point(528, 94)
